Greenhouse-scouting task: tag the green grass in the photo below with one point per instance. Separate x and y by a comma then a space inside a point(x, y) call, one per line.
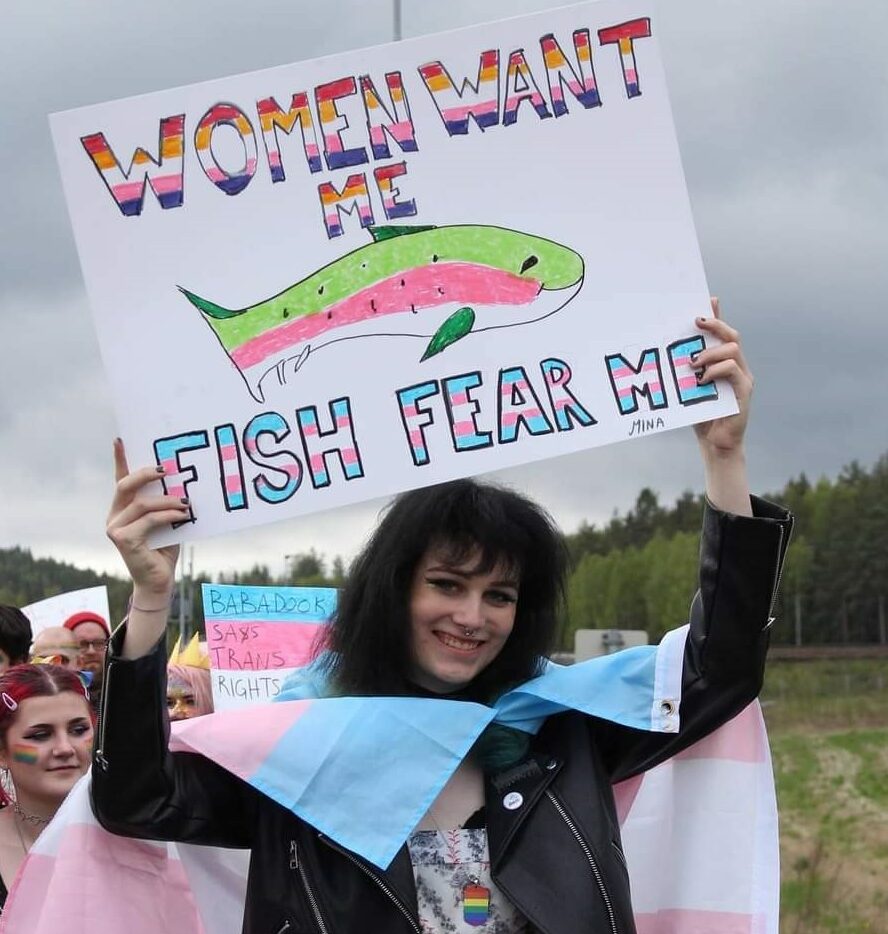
point(828, 727)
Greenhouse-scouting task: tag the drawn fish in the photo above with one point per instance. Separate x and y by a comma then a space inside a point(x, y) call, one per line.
point(434, 283)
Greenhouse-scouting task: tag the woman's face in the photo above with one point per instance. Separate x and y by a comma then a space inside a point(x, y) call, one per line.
point(48, 746)
point(459, 619)
point(181, 701)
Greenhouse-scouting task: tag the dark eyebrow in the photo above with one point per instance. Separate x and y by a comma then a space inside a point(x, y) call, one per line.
point(468, 574)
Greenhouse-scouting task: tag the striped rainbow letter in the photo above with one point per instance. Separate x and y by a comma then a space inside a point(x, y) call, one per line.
point(521, 86)
point(565, 405)
point(354, 195)
point(681, 359)
point(482, 104)
point(272, 118)
point(333, 123)
point(339, 440)
point(164, 174)
point(287, 465)
point(561, 73)
point(519, 405)
point(462, 412)
point(629, 382)
point(232, 183)
point(389, 192)
point(380, 120)
point(624, 35)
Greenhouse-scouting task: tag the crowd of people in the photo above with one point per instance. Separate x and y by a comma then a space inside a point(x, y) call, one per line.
point(457, 596)
point(50, 690)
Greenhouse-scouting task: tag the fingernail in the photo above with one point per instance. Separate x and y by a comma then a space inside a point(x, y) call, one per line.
point(184, 500)
point(701, 320)
point(695, 354)
point(118, 440)
point(700, 376)
point(160, 469)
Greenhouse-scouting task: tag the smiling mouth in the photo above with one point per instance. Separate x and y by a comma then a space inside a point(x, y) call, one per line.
point(461, 645)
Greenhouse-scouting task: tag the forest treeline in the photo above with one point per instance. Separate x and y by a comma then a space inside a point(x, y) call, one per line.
point(637, 571)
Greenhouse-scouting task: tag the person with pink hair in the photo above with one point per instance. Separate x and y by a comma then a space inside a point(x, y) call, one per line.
point(188, 682)
point(46, 735)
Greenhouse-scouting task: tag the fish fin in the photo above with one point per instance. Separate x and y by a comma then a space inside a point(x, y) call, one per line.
point(211, 309)
point(453, 329)
point(303, 356)
point(388, 231)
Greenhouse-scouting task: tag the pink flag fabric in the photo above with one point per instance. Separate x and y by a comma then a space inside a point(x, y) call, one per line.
point(699, 832)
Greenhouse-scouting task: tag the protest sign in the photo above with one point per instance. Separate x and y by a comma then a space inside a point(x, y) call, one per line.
point(53, 611)
point(257, 636)
point(330, 281)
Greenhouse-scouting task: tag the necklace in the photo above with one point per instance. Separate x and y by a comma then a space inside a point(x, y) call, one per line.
point(21, 836)
point(29, 818)
point(475, 897)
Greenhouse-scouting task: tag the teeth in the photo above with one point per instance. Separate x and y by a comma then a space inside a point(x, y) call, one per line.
point(455, 643)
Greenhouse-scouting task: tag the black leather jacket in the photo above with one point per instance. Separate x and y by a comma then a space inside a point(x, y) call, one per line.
point(557, 857)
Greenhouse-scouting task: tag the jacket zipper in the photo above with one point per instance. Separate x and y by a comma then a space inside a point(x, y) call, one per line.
point(405, 911)
point(778, 573)
point(296, 865)
point(596, 872)
point(285, 928)
point(99, 754)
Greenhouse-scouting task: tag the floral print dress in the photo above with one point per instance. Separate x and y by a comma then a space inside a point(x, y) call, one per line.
point(452, 870)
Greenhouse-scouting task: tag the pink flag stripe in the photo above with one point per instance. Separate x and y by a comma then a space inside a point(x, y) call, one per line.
point(163, 891)
point(690, 921)
point(258, 728)
point(740, 740)
point(284, 644)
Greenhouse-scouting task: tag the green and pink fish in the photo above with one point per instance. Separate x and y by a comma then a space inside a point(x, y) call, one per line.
point(434, 283)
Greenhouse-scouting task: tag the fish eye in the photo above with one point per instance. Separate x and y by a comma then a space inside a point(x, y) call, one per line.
point(529, 263)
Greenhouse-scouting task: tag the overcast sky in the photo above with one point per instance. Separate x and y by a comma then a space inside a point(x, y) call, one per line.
point(782, 117)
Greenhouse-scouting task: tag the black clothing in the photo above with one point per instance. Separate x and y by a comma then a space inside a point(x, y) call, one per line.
point(557, 856)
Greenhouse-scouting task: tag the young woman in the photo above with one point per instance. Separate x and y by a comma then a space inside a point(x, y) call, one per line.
point(46, 734)
point(457, 596)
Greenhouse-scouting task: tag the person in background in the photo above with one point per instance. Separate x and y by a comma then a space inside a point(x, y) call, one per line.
point(56, 645)
point(46, 734)
point(188, 681)
point(15, 637)
point(92, 634)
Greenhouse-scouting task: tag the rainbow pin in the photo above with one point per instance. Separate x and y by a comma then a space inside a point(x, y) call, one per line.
point(476, 904)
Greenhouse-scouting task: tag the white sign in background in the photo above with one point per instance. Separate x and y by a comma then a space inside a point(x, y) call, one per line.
point(53, 611)
point(568, 326)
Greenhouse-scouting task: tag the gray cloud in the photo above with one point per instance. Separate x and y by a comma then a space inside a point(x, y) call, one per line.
point(782, 115)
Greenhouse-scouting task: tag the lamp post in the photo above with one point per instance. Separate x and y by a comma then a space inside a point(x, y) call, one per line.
point(397, 20)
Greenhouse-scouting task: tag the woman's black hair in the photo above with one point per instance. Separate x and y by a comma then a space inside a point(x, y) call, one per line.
point(15, 634)
point(369, 635)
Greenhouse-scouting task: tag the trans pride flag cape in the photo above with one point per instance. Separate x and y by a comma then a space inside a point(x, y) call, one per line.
point(699, 831)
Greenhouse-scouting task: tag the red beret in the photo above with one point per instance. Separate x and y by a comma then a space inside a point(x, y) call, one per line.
point(85, 616)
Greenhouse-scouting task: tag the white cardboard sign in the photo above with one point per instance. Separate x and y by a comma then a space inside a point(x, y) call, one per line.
point(258, 636)
point(53, 611)
point(334, 280)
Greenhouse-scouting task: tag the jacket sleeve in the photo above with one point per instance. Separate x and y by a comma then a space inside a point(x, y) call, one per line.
point(740, 562)
point(141, 789)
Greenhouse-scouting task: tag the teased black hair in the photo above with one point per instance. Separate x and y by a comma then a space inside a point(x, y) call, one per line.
point(369, 635)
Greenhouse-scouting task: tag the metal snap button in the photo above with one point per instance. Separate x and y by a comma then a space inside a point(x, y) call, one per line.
point(552, 764)
point(513, 800)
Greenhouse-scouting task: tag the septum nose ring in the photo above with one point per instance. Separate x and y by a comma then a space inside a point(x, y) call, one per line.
point(468, 632)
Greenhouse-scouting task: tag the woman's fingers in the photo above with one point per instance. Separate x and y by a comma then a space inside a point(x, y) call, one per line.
point(121, 467)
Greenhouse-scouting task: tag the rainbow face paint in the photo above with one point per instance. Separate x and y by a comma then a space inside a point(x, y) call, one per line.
point(25, 753)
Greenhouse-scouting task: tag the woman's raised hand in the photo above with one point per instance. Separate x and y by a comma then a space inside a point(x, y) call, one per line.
point(135, 513)
point(721, 439)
